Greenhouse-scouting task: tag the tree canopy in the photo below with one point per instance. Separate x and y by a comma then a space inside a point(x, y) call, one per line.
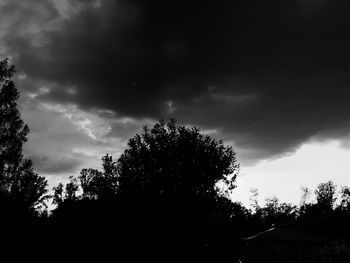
point(175, 160)
point(18, 181)
point(100, 184)
point(325, 195)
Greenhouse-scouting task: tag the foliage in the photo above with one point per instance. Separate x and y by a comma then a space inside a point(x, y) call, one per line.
point(18, 181)
point(94, 184)
point(58, 196)
point(325, 195)
point(100, 185)
point(254, 195)
point(274, 211)
point(305, 195)
point(345, 198)
point(13, 132)
point(68, 192)
point(27, 187)
point(175, 160)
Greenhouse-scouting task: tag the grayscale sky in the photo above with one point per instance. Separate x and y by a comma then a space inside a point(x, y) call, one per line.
point(269, 77)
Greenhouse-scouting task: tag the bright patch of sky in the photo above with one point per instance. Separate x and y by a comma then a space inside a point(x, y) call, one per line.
point(309, 166)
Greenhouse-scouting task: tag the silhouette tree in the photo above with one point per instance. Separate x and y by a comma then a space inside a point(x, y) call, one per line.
point(19, 183)
point(305, 195)
point(71, 189)
point(254, 195)
point(170, 160)
point(325, 195)
point(58, 195)
point(276, 212)
point(345, 198)
point(166, 185)
point(100, 185)
point(170, 176)
point(271, 208)
point(69, 192)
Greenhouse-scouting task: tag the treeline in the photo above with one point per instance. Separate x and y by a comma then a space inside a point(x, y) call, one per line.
point(159, 198)
point(20, 186)
point(166, 198)
point(327, 214)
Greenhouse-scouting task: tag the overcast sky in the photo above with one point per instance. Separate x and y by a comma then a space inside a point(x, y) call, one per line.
point(269, 77)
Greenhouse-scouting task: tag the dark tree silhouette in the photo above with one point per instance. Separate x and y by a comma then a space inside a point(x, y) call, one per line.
point(345, 198)
point(71, 189)
point(325, 195)
point(160, 198)
point(19, 184)
point(170, 160)
point(67, 193)
point(171, 175)
point(58, 196)
point(276, 212)
point(305, 195)
point(100, 185)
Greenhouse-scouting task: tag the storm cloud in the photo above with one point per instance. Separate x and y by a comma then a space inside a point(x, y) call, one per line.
point(265, 76)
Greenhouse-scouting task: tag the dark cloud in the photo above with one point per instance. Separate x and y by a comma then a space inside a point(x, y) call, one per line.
point(268, 75)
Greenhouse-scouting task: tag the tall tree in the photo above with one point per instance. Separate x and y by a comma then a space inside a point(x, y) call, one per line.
point(18, 181)
point(345, 198)
point(305, 195)
point(254, 196)
point(176, 160)
point(100, 184)
point(325, 195)
point(172, 174)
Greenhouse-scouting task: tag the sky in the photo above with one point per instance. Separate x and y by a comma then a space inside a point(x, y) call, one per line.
point(268, 77)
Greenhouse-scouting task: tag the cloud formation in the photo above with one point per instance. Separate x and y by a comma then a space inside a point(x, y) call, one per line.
point(266, 75)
